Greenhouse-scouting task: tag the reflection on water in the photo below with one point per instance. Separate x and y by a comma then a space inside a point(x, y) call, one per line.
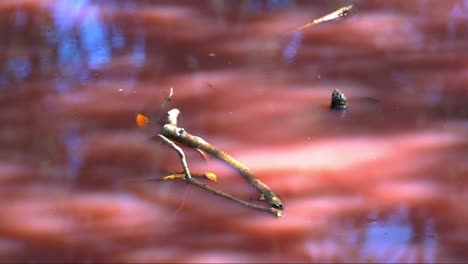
point(72, 142)
point(289, 53)
point(386, 240)
point(382, 182)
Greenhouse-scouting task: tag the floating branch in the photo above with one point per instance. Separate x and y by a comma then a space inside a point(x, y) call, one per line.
point(171, 131)
point(334, 15)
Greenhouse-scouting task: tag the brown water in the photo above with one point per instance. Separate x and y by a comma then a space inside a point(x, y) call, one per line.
point(384, 182)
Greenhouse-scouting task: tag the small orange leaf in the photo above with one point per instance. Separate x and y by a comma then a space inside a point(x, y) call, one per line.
point(174, 176)
point(211, 176)
point(141, 120)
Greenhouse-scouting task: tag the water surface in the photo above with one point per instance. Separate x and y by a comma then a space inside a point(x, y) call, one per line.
point(383, 182)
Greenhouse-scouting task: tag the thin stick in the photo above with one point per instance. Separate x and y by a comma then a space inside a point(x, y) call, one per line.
point(181, 153)
point(275, 211)
point(191, 180)
point(334, 15)
point(158, 177)
point(173, 132)
point(168, 99)
point(295, 33)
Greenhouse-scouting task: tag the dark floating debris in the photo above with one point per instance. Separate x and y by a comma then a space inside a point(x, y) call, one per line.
point(338, 100)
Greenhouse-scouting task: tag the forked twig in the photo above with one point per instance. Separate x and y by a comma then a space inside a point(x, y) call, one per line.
point(210, 189)
point(181, 153)
point(171, 131)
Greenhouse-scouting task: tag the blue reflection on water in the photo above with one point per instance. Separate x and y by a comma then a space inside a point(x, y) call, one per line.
point(69, 57)
point(258, 6)
point(19, 67)
point(21, 18)
point(65, 13)
point(118, 40)
point(192, 62)
point(3, 81)
point(92, 34)
point(69, 60)
point(458, 11)
point(278, 4)
point(430, 242)
point(83, 42)
point(73, 141)
point(61, 86)
point(255, 6)
point(402, 82)
point(388, 239)
point(94, 39)
point(139, 52)
point(289, 53)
